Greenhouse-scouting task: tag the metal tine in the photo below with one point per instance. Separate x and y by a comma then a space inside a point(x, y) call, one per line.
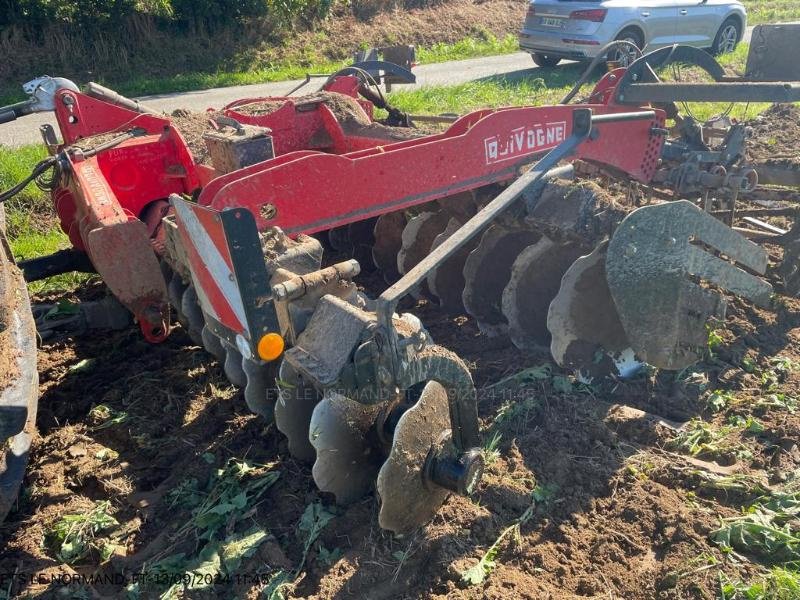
point(717, 234)
point(729, 276)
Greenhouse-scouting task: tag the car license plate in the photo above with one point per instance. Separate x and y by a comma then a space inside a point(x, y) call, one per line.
point(552, 22)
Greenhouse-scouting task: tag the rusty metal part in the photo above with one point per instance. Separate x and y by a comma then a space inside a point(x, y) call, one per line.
point(407, 499)
point(587, 334)
point(301, 285)
point(535, 280)
point(347, 453)
point(487, 270)
point(653, 261)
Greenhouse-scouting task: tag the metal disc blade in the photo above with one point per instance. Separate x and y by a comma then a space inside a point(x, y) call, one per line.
point(652, 265)
point(407, 501)
point(362, 238)
point(388, 234)
point(232, 366)
point(418, 236)
point(461, 206)
point(212, 344)
point(487, 270)
point(347, 460)
point(587, 335)
point(190, 306)
point(446, 282)
point(535, 279)
point(260, 393)
point(339, 238)
point(296, 402)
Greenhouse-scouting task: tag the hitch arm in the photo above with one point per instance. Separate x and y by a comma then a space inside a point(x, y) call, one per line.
point(12, 112)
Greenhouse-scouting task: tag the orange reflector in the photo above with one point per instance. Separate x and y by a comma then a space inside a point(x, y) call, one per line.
point(270, 346)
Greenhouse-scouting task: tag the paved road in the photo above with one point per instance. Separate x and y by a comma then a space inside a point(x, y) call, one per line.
point(517, 65)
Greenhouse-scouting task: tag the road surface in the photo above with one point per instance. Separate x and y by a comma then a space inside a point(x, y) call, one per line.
point(517, 65)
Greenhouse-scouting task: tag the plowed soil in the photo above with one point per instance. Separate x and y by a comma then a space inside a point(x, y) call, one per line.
point(609, 506)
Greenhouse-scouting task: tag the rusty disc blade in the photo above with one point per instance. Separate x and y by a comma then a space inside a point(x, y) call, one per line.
point(388, 234)
point(293, 409)
point(407, 501)
point(487, 270)
point(347, 453)
point(587, 335)
point(535, 279)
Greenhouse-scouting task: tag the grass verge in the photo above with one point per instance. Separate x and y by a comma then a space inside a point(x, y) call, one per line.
point(487, 45)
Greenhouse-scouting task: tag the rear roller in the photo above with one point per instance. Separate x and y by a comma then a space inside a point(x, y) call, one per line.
point(348, 454)
point(487, 270)
point(535, 280)
point(587, 335)
point(293, 410)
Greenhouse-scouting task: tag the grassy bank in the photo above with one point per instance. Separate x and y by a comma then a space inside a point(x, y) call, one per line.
point(463, 49)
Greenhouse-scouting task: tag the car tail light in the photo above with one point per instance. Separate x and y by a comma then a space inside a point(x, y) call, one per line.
point(596, 15)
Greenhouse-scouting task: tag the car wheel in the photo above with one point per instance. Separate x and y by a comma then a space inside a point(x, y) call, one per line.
point(625, 56)
point(545, 60)
point(728, 36)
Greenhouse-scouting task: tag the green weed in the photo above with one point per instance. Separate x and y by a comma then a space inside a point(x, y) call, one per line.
point(698, 437)
point(226, 501)
point(777, 584)
point(477, 574)
point(770, 530)
point(73, 537)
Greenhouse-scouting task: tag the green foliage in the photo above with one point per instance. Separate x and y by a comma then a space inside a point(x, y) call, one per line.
point(778, 584)
point(73, 536)
point(315, 518)
point(477, 574)
point(698, 437)
point(770, 530)
point(214, 14)
point(216, 510)
point(720, 400)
